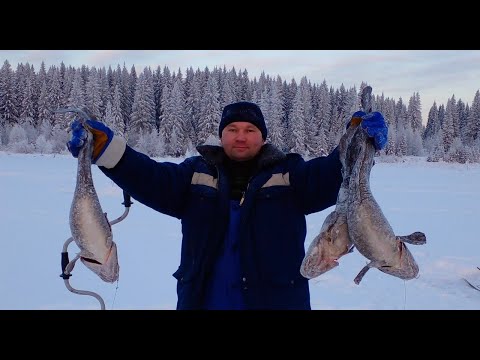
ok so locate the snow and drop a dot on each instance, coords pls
(442, 200)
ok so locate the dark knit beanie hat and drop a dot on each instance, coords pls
(243, 111)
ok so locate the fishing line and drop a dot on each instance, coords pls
(115, 295)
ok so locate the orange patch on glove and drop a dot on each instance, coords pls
(100, 139)
(355, 121)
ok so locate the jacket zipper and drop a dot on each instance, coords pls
(244, 192)
(243, 198)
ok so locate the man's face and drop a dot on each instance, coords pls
(241, 140)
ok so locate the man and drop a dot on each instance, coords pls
(242, 206)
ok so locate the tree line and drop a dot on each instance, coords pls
(165, 113)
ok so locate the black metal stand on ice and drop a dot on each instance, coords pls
(100, 227)
(67, 265)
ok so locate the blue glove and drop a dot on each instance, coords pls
(375, 126)
(102, 136)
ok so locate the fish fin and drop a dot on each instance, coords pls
(108, 222)
(416, 238)
(360, 275)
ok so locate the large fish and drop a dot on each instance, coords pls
(368, 227)
(357, 220)
(90, 228)
(333, 240)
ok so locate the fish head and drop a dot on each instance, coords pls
(407, 267)
(109, 270)
(325, 250)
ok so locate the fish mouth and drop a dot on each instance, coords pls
(312, 270)
(107, 271)
(90, 260)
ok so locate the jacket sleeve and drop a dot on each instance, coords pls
(316, 182)
(163, 186)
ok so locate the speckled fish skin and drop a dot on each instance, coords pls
(368, 227)
(90, 228)
(333, 240)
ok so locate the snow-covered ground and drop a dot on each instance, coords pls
(442, 200)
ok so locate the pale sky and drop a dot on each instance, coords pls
(435, 74)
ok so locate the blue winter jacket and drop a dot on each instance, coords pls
(272, 220)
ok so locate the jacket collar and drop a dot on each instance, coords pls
(215, 155)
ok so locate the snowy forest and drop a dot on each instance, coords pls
(164, 113)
